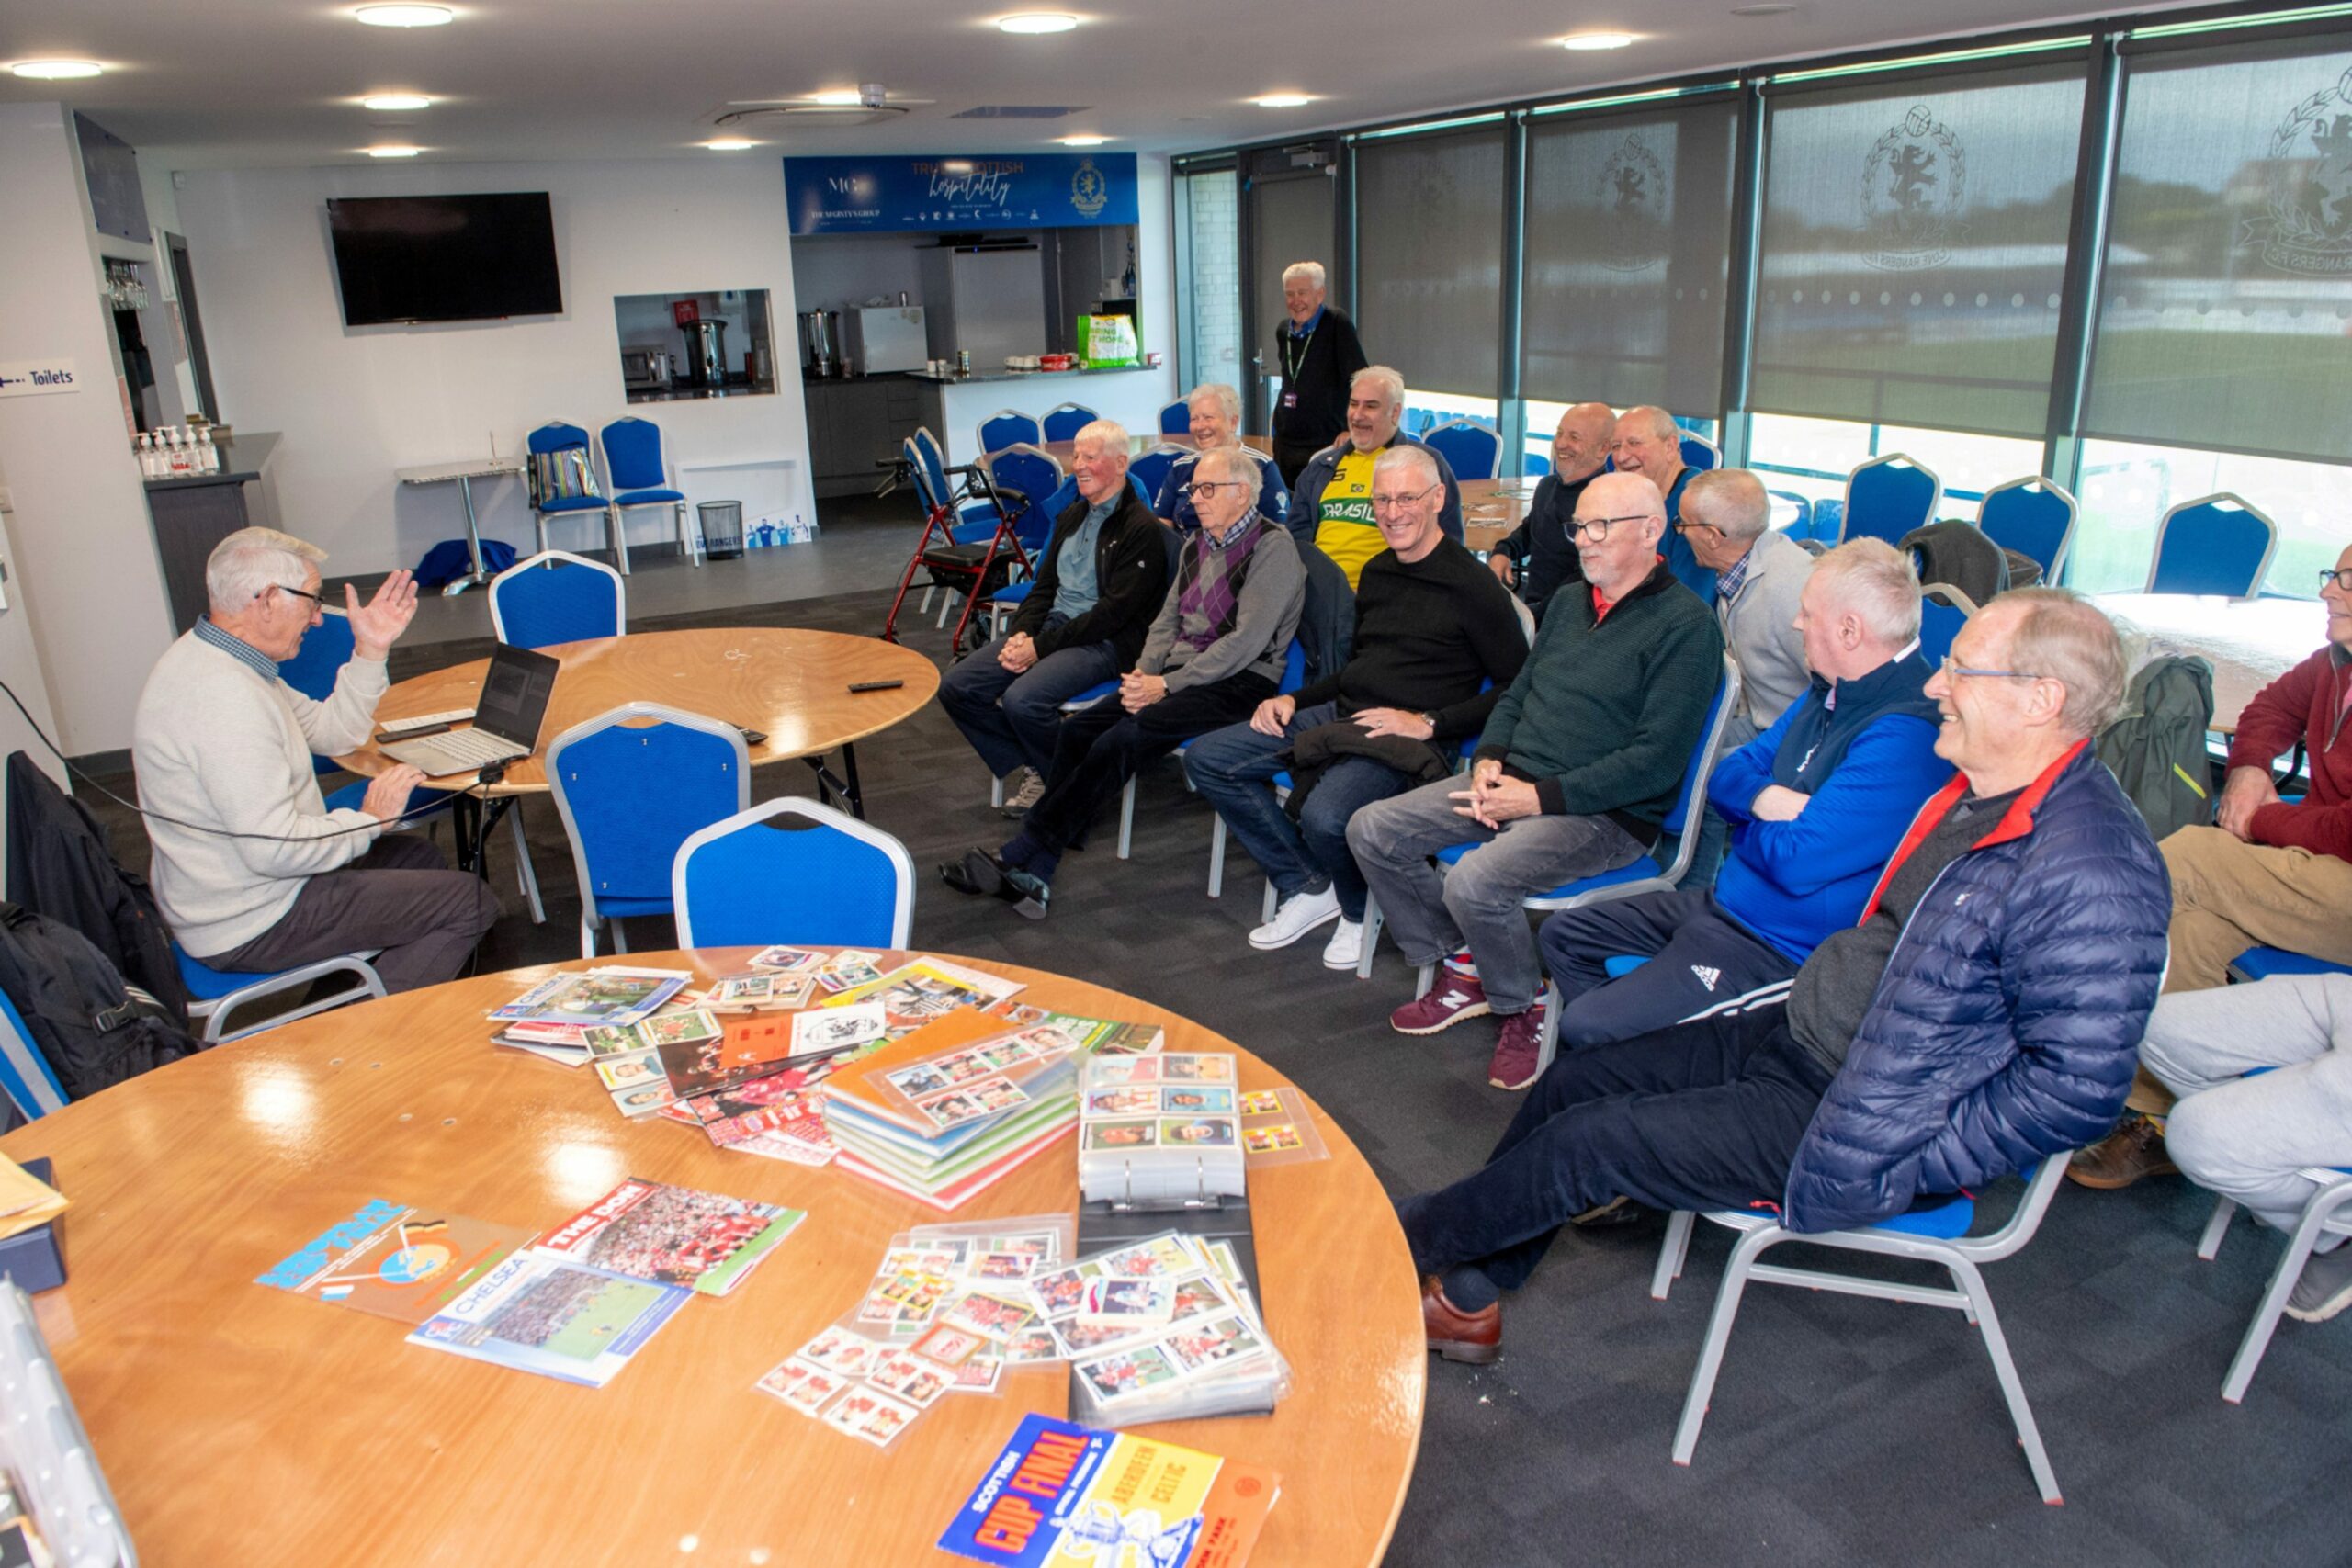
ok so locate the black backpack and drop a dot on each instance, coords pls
(88, 1026)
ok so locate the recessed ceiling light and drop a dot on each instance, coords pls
(393, 103)
(56, 70)
(394, 151)
(405, 15)
(838, 97)
(1036, 22)
(1083, 140)
(1285, 101)
(1597, 41)
(730, 144)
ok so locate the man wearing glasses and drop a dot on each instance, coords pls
(1436, 641)
(1983, 1014)
(1575, 770)
(1100, 580)
(2270, 872)
(1214, 653)
(254, 874)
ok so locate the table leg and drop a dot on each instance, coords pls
(844, 785)
(478, 576)
(470, 819)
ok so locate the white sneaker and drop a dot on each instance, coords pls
(1031, 791)
(1300, 913)
(1345, 948)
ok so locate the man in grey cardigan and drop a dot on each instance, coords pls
(1759, 585)
(253, 872)
(1214, 653)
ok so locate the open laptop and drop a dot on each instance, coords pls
(507, 715)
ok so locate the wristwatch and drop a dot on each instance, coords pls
(1430, 719)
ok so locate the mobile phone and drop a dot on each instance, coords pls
(388, 736)
(876, 685)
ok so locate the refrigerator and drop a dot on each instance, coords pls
(992, 302)
(887, 337)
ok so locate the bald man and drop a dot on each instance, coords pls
(1647, 441)
(1537, 557)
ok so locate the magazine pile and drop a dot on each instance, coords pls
(1063, 1494)
(1158, 1129)
(945, 1312)
(955, 1107)
(576, 1304)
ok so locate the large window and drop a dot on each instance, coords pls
(2226, 318)
(1428, 256)
(1915, 236)
(2127, 488)
(1628, 249)
(1209, 259)
(1809, 459)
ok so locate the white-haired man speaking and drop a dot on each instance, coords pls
(253, 872)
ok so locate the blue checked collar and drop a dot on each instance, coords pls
(254, 659)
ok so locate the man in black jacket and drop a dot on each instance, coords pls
(1537, 557)
(1100, 580)
(1317, 355)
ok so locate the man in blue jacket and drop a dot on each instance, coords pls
(1816, 804)
(1984, 1013)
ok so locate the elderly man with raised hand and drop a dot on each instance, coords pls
(1215, 409)
(1100, 580)
(1575, 770)
(1330, 505)
(1647, 441)
(1214, 653)
(1317, 355)
(1431, 630)
(1983, 1015)
(1537, 557)
(1817, 804)
(253, 872)
(2270, 874)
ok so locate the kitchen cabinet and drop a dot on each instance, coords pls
(856, 425)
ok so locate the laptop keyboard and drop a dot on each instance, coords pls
(461, 749)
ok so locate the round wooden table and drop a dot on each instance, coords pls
(239, 1424)
(791, 683)
(2249, 642)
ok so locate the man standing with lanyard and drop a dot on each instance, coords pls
(1317, 353)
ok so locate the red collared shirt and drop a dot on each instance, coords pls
(1600, 607)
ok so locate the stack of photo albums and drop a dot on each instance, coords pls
(1158, 1129)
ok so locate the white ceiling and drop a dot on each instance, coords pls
(232, 83)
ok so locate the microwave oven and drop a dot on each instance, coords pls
(645, 368)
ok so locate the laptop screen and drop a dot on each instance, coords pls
(514, 694)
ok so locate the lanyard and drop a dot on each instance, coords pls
(1291, 367)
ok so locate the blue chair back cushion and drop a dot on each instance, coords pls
(635, 796)
(558, 602)
(1009, 429)
(789, 880)
(1939, 624)
(633, 455)
(2207, 549)
(2034, 522)
(1176, 419)
(1885, 502)
(1472, 451)
(1063, 425)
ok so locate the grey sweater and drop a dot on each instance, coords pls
(1273, 594)
(1759, 630)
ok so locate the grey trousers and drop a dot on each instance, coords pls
(400, 897)
(1476, 903)
(2246, 1138)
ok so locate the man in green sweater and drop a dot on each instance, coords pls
(1573, 775)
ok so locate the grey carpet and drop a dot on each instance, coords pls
(1843, 1430)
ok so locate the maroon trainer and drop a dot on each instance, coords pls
(1454, 996)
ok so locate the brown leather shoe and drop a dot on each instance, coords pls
(2133, 1150)
(1457, 1336)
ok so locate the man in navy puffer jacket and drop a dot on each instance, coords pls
(1984, 1013)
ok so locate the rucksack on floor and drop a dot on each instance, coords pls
(2156, 748)
(92, 1029)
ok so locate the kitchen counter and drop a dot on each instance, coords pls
(243, 458)
(736, 387)
(952, 380)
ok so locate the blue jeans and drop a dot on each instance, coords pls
(1013, 720)
(1232, 768)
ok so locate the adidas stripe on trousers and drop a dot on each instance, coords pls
(1702, 964)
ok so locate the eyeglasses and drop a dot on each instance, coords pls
(1393, 502)
(1684, 528)
(2339, 575)
(1599, 526)
(301, 593)
(1201, 489)
(1953, 671)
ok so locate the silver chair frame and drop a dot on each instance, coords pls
(2328, 1213)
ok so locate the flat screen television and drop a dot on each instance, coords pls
(444, 258)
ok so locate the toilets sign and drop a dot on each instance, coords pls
(36, 378)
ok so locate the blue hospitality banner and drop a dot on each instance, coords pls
(1027, 190)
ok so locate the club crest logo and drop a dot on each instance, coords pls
(1915, 190)
(2309, 231)
(1088, 191)
(1632, 206)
